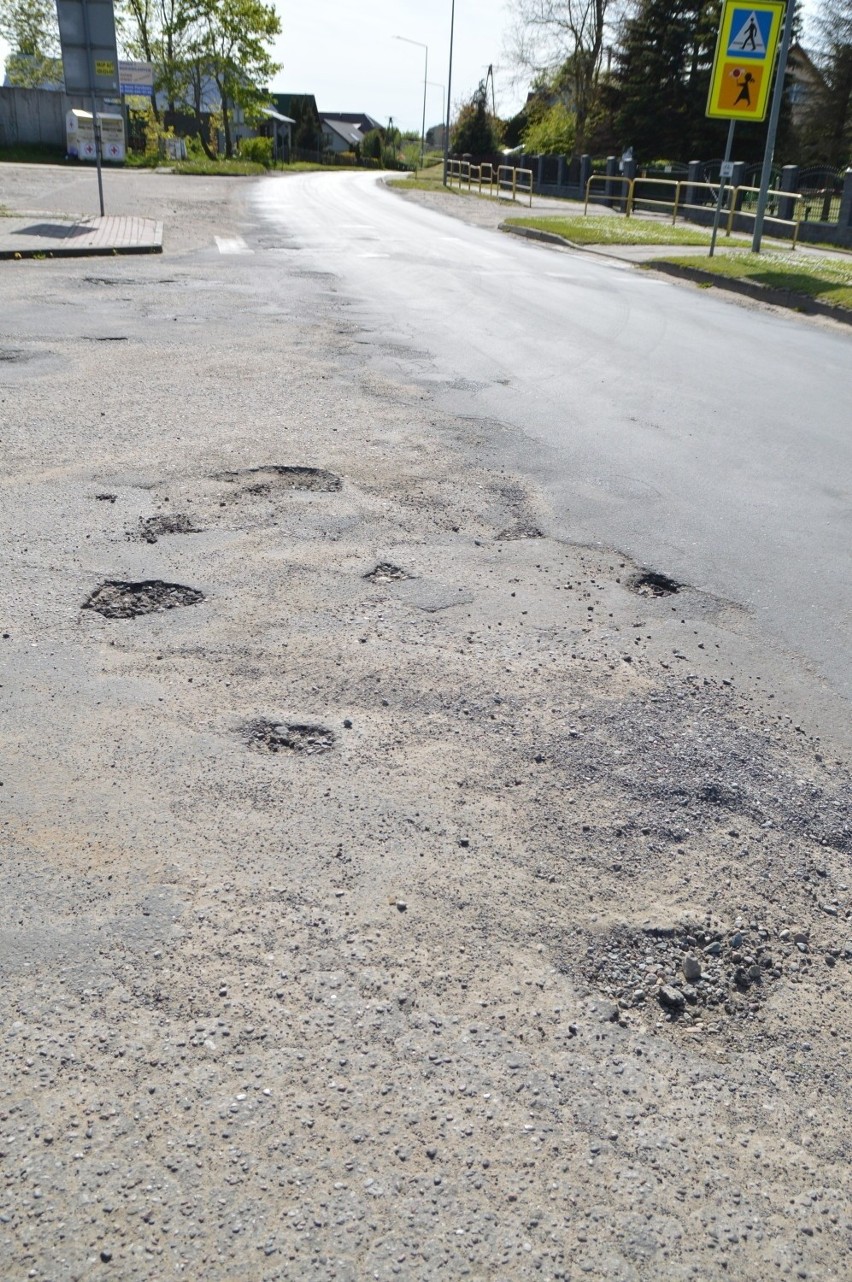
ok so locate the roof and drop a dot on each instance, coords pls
(358, 118)
(343, 130)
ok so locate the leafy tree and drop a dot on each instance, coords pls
(195, 42)
(563, 37)
(158, 31)
(307, 131)
(231, 41)
(551, 131)
(31, 30)
(829, 122)
(476, 129)
(372, 143)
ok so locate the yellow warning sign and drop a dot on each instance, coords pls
(104, 68)
(745, 55)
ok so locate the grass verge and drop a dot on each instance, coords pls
(419, 184)
(611, 230)
(829, 280)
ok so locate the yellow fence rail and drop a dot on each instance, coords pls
(502, 181)
(676, 202)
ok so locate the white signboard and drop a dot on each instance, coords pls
(137, 78)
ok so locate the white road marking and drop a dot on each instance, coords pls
(232, 245)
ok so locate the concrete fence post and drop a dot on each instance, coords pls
(585, 174)
(789, 182)
(845, 219)
(692, 194)
(611, 189)
(561, 175)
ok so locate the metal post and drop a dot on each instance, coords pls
(423, 126)
(729, 146)
(777, 97)
(96, 129)
(449, 92)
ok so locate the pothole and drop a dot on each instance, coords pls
(262, 480)
(119, 599)
(152, 528)
(276, 736)
(522, 530)
(106, 498)
(386, 572)
(690, 972)
(650, 583)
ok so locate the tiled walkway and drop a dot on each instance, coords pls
(51, 236)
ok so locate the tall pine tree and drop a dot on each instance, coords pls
(663, 76)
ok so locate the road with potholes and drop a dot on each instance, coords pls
(398, 881)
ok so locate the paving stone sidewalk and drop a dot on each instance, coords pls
(51, 235)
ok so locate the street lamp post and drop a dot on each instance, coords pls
(449, 94)
(420, 45)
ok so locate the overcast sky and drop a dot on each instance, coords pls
(346, 55)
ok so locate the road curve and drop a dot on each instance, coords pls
(707, 439)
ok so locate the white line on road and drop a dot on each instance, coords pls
(232, 245)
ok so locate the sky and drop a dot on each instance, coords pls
(347, 57)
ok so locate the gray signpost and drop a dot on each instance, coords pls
(89, 59)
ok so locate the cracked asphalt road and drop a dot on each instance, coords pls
(348, 873)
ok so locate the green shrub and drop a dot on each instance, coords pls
(257, 150)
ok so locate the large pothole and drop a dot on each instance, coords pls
(152, 528)
(265, 480)
(276, 736)
(120, 599)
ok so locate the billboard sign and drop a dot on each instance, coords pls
(137, 79)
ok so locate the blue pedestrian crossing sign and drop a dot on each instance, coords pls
(750, 33)
(745, 59)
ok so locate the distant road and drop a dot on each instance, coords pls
(707, 439)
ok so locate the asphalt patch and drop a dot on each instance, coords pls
(276, 736)
(263, 480)
(119, 599)
(650, 583)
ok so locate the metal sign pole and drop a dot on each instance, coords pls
(96, 129)
(769, 153)
(729, 146)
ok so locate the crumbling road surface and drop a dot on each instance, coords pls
(392, 886)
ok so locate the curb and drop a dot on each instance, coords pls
(745, 288)
(751, 289)
(105, 252)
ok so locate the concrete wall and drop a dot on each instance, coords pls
(32, 116)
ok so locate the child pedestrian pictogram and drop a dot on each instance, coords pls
(740, 88)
